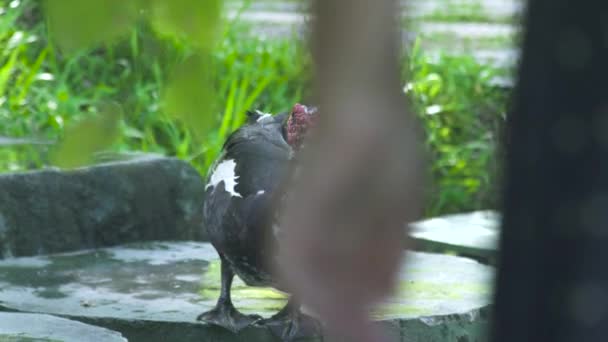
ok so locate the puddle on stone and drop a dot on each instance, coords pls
(50, 292)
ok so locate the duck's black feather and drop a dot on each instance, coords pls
(238, 225)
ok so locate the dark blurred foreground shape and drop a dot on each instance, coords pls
(553, 279)
(360, 178)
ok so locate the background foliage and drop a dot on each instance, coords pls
(150, 83)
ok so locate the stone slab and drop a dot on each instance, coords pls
(147, 198)
(155, 289)
(25, 327)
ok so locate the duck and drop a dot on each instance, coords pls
(244, 187)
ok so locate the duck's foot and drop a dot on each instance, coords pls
(228, 317)
(292, 325)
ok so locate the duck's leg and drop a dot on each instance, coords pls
(290, 323)
(224, 314)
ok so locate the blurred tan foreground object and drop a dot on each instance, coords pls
(361, 177)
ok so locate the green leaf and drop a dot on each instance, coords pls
(229, 109)
(194, 20)
(78, 24)
(7, 70)
(189, 95)
(87, 137)
(31, 75)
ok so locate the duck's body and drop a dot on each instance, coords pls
(240, 207)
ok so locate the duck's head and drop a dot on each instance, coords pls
(300, 120)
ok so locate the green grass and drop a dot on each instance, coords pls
(462, 115)
(50, 95)
(45, 92)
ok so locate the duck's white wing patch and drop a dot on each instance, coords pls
(225, 171)
(260, 192)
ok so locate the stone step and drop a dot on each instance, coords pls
(281, 25)
(469, 30)
(472, 234)
(154, 291)
(493, 8)
(26, 327)
(148, 198)
(416, 8)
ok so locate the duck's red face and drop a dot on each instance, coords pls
(300, 120)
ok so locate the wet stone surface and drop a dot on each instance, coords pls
(154, 291)
(24, 327)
